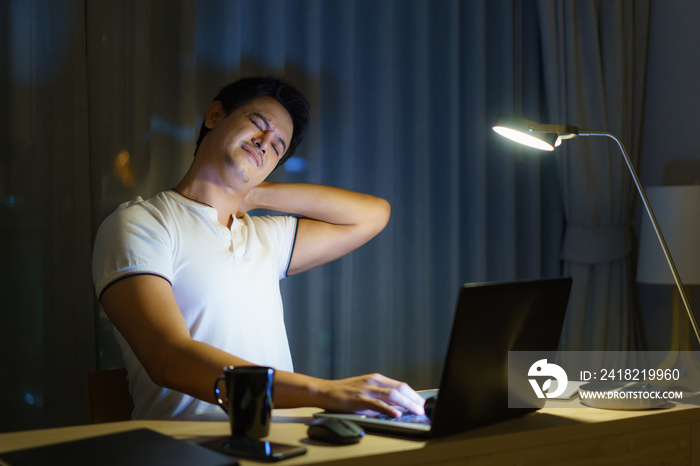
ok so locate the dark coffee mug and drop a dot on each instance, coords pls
(248, 399)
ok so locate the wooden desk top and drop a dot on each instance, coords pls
(553, 432)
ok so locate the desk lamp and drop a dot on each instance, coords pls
(548, 137)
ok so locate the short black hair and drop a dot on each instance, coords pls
(245, 90)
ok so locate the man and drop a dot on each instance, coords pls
(191, 281)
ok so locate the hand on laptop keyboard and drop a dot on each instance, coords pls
(370, 392)
(406, 416)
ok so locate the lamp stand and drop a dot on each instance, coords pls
(655, 224)
(547, 137)
(674, 359)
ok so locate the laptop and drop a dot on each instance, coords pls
(491, 319)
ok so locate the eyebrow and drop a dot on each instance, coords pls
(267, 126)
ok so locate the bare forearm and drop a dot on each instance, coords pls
(325, 203)
(194, 368)
(190, 367)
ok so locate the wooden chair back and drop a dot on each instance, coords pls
(107, 395)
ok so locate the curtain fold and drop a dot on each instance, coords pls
(594, 61)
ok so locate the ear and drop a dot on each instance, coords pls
(215, 112)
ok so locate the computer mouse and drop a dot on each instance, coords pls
(334, 430)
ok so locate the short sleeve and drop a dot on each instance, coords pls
(131, 241)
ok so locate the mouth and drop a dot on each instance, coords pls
(255, 155)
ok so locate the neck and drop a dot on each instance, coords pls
(226, 201)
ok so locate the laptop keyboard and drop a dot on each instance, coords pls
(407, 416)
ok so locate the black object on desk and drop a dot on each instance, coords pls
(139, 447)
(338, 431)
(263, 450)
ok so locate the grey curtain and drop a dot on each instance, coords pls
(594, 62)
(104, 99)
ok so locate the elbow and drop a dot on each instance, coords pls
(375, 218)
(158, 373)
(382, 215)
(161, 365)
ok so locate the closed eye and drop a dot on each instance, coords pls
(256, 123)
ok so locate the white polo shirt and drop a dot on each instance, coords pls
(225, 282)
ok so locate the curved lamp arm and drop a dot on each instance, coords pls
(655, 224)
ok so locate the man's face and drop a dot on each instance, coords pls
(252, 139)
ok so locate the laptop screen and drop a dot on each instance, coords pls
(492, 319)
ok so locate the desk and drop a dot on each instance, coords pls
(553, 435)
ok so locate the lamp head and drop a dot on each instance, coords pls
(532, 134)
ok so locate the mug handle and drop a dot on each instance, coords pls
(217, 393)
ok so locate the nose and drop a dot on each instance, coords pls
(262, 141)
